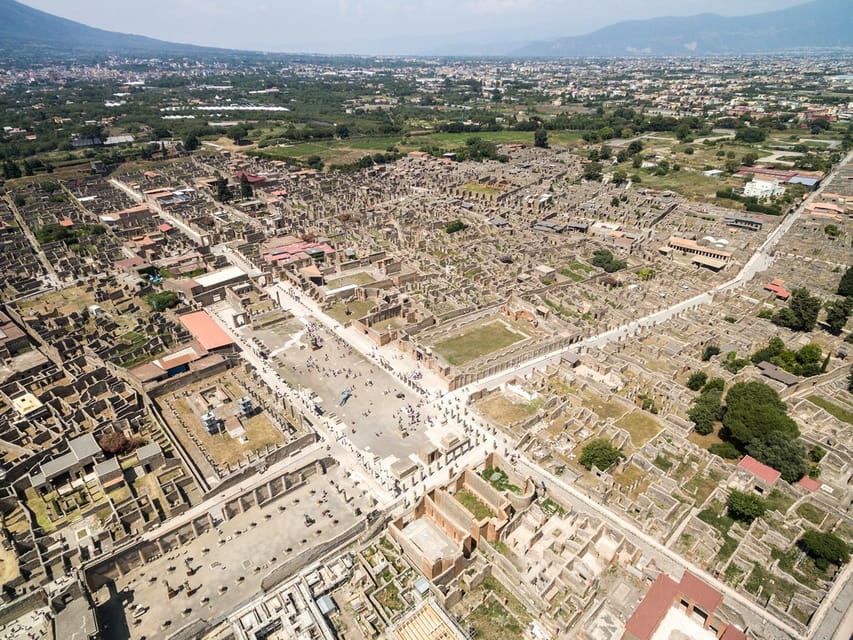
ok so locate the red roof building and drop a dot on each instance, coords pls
(760, 470)
(809, 484)
(694, 597)
(204, 329)
(777, 286)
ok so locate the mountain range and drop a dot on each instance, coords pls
(24, 29)
(820, 24)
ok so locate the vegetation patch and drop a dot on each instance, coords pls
(476, 343)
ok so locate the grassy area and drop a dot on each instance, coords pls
(476, 343)
(550, 507)
(707, 440)
(832, 409)
(778, 501)
(662, 462)
(260, 431)
(642, 427)
(492, 621)
(503, 411)
(604, 408)
(476, 187)
(811, 513)
(39, 509)
(473, 504)
(760, 578)
(799, 566)
(9, 569)
(633, 474)
(701, 486)
(361, 278)
(713, 516)
(389, 597)
(358, 309)
(498, 478)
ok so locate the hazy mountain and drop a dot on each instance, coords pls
(24, 29)
(818, 24)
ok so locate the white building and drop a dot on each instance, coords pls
(763, 189)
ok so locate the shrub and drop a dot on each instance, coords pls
(710, 351)
(456, 225)
(824, 548)
(725, 450)
(697, 380)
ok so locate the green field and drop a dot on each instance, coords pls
(476, 343)
(350, 149)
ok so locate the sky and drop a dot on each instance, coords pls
(375, 26)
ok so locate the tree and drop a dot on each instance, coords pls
(223, 192)
(238, 133)
(745, 507)
(697, 380)
(601, 453)
(785, 454)
(725, 450)
(342, 131)
(824, 548)
(620, 176)
(801, 312)
(592, 171)
(191, 142)
(706, 409)
(635, 147)
(540, 138)
(750, 134)
(11, 170)
(749, 159)
(753, 410)
(246, 190)
(845, 285)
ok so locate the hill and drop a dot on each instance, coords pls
(819, 24)
(27, 30)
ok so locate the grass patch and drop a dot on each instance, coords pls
(604, 409)
(476, 187)
(498, 478)
(389, 597)
(476, 343)
(492, 620)
(473, 504)
(778, 501)
(713, 516)
(811, 513)
(358, 309)
(37, 505)
(832, 409)
(361, 278)
(663, 463)
(701, 486)
(641, 427)
(500, 409)
(549, 507)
